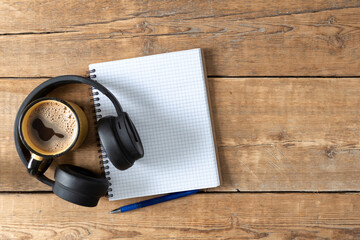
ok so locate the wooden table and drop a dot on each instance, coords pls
(284, 83)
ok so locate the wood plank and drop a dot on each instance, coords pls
(273, 134)
(202, 216)
(240, 38)
(288, 134)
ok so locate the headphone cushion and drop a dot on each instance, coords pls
(79, 185)
(122, 147)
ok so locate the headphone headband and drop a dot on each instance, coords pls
(41, 91)
(53, 83)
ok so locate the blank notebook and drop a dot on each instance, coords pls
(166, 97)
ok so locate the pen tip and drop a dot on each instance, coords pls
(115, 211)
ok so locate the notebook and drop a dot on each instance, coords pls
(166, 97)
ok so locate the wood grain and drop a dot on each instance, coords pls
(273, 134)
(261, 38)
(288, 134)
(201, 216)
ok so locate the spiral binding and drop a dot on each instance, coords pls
(104, 160)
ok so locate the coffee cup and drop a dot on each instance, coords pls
(51, 127)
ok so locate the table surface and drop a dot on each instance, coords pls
(285, 91)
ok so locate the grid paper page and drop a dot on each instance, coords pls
(165, 96)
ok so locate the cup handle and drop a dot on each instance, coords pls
(34, 164)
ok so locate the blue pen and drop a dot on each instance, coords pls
(153, 201)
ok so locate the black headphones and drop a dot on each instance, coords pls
(118, 136)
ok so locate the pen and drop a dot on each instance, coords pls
(153, 201)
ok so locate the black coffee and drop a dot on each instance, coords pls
(45, 133)
(52, 127)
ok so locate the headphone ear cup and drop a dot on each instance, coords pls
(79, 185)
(120, 140)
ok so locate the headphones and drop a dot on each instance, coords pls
(118, 136)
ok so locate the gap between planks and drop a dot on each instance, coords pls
(210, 76)
(219, 192)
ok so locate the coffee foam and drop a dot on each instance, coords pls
(61, 119)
